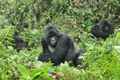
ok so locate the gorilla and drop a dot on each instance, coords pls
(58, 47)
(102, 29)
(19, 43)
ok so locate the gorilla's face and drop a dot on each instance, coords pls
(104, 26)
(52, 36)
(53, 41)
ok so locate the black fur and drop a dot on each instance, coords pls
(19, 43)
(102, 29)
(64, 49)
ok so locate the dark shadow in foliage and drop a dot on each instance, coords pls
(19, 43)
(102, 29)
(58, 47)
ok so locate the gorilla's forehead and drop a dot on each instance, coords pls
(51, 31)
(50, 26)
(104, 23)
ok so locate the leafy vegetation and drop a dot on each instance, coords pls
(75, 17)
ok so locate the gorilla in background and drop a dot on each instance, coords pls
(19, 43)
(102, 29)
(58, 47)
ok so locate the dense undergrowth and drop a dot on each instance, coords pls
(74, 17)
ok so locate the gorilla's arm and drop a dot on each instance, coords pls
(45, 45)
(62, 47)
(71, 51)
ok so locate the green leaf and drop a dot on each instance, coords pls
(25, 73)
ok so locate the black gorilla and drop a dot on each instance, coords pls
(19, 43)
(102, 29)
(62, 47)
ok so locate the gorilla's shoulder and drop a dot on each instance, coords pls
(64, 36)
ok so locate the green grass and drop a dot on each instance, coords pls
(102, 57)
